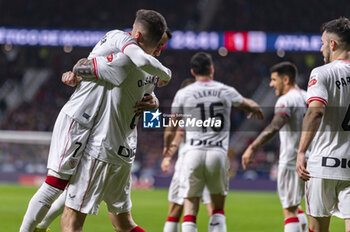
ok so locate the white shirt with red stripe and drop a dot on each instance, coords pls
(203, 100)
(292, 104)
(113, 135)
(330, 156)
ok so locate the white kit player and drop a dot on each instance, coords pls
(175, 200)
(289, 112)
(206, 104)
(147, 103)
(326, 123)
(75, 120)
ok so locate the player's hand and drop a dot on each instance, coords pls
(162, 83)
(301, 167)
(147, 103)
(69, 78)
(257, 114)
(165, 165)
(247, 157)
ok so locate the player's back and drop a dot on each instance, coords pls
(330, 84)
(206, 107)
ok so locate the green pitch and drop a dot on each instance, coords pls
(245, 211)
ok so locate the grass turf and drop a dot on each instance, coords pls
(245, 211)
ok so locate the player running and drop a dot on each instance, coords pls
(75, 120)
(326, 123)
(207, 104)
(289, 112)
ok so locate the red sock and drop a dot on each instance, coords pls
(310, 230)
(291, 220)
(172, 219)
(220, 211)
(189, 218)
(137, 229)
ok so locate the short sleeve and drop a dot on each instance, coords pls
(122, 40)
(235, 97)
(113, 68)
(177, 105)
(282, 106)
(317, 87)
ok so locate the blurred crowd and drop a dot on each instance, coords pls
(244, 71)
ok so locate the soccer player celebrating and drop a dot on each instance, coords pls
(289, 112)
(207, 104)
(175, 200)
(74, 123)
(326, 123)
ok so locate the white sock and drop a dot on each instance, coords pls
(38, 206)
(292, 225)
(217, 223)
(56, 209)
(303, 221)
(171, 227)
(189, 227)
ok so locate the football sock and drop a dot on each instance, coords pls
(217, 221)
(303, 220)
(56, 209)
(172, 225)
(292, 225)
(137, 229)
(189, 224)
(41, 202)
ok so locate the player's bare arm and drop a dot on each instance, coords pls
(278, 121)
(165, 165)
(252, 107)
(311, 123)
(148, 102)
(85, 69)
(169, 134)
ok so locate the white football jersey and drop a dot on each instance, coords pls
(330, 155)
(84, 103)
(206, 108)
(292, 104)
(113, 135)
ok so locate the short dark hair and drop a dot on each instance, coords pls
(201, 63)
(286, 68)
(154, 24)
(340, 27)
(168, 33)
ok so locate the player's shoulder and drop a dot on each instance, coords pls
(326, 69)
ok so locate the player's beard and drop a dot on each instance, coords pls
(327, 56)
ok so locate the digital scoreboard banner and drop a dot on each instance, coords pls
(234, 41)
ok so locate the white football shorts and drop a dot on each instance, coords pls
(326, 197)
(204, 168)
(67, 144)
(97, 181)
(290, 187)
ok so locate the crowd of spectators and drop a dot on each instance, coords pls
(244, 71)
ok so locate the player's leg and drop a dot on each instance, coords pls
(192, 183)
(303, 219)
(217, 176)
(41, 202)
(191, 206)
(175, 202)
(117, 198)
(123, 222)
(319, 224)
(290, 191)
(320, 200)
(173, 219)
(347, 224)
(206, 200)
(343, 189)
(72, 220)
(55, 210)
(65, 153)
(291, 220)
